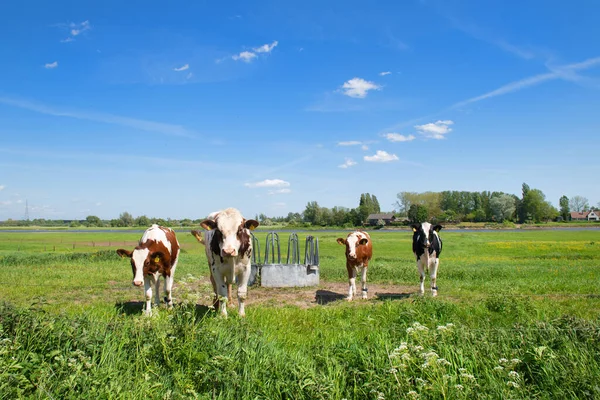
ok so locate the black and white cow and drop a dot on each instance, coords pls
(427, 247)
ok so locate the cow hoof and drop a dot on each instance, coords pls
(434, 293)
(348, 298)
(364, 296)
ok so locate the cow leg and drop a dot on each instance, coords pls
(148, 295)
(157, 291)
(221, 293)
(242, 279)
(433, 275)
(422, 276)
(169, 286)
(364, 281)
(351, 282)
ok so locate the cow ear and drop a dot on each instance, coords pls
(363, 241)
(416, 227)
(437, 228)
(208, 224)
(251, 224)
(124, 253)
(341, 241)
(157, 257)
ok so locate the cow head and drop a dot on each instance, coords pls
(143, 262)
(423, 234)
(353, 240)
(231, 237)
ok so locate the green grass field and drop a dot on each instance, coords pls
(517, 316)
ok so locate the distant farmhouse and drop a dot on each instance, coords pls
(372, 219)
(592, 215)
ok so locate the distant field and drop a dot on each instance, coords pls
(71, 325)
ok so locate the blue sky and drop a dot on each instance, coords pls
(177, 109)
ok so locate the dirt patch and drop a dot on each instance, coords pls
(306, 297)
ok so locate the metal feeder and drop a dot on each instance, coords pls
(274, 273)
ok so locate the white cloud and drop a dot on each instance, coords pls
(189, 76)
(268, 183)
(182, 68)
(67, 40)
(364, 147)
(245, 56)
(435, 130)
(381, 156)
(348, 163)
(266, 48)
(98, 204)
(2, 187)
(384, 73)
(350, 143)
(77, 29)
(358, 87)
(51, 65)
(280, 191)
(396, 137)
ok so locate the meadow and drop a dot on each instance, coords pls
(517, 316)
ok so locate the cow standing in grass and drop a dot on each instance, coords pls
(229, 252)
(359, 251)
(155, 255)
(200, 239)
(427, 247)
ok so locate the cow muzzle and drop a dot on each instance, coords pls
(138, 283)
(229, 252)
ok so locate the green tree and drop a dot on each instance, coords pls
(565, 211)
(92, 220)
(142, 220)
(126, 219)
(417, 213)
(502, 207)
(312, 212)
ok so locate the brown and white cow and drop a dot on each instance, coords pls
(359, 251)
(229, 252)
(155, 255)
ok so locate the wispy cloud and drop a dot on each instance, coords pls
(562, 72)
(145, 125)
(396, 137)
(248, 56)
(75, 29)
(350, 143)
(51, 65)
(267, 183)
(245, 56)
(435, 130)
(381, 156)
(384, 73)
(182, 68)
(280, 191)
(2, 187)
(358, 87)
(266, 48)
(348, 163)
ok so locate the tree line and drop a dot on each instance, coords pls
(447, 206)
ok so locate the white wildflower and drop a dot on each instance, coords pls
(393, 370)
(406, 357)
(442, 328)
(417, 348)
(512, 384)
(468, 377)
(443, 361)
(515, 361)
(513, 374)
(498, 368)
(413, 394)
(503, 361)
(462, 370)
(409, 330)
(459, 387)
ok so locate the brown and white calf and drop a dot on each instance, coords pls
(427, 247)
(155, 255)
(229, 253)
(359, 251)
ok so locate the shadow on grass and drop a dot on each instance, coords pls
(324, 297)
(130, 307)
(392, 296)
